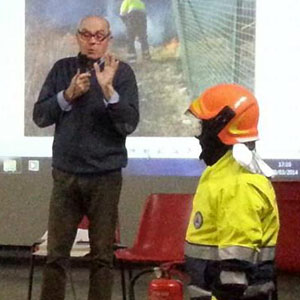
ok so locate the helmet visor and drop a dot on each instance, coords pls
(195, 124)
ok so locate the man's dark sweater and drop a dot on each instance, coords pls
(89, 138)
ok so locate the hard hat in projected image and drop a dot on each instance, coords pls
(233, 109)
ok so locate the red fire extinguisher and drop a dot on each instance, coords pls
(165, 288)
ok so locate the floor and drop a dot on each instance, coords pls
(14, 274)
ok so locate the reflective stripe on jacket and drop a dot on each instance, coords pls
(234, 252)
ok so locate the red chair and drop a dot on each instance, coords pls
(160, 238)
(287, 250)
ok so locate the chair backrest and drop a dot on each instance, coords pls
(163, 226)
(287, 250)
(84, 224)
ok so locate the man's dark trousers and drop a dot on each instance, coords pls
(73, 196)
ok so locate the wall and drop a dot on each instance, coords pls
(25, 197)
(24, 202)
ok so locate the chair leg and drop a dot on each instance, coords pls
(123, 281)
(274, 295)
(32, 261)
(134, 279)
(130, 274)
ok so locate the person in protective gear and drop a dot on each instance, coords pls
(133, 14)
(233, 228)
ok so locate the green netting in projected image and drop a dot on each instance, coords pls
(217, 41)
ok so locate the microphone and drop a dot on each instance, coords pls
(82, 63)
(85, 64)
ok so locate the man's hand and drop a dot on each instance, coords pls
(79, 85)
(105, 77)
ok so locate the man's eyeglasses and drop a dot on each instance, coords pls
(99, 37)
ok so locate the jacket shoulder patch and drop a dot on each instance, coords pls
(198, 220)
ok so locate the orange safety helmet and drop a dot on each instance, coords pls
(242, 126)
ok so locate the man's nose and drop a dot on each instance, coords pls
(92, 40)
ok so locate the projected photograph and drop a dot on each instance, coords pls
(50, 35)
(193, 44)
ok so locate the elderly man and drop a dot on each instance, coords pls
(92, 99)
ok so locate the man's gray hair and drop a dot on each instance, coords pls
(93, 16)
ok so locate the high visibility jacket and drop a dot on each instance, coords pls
(234, 219)
(131, 5)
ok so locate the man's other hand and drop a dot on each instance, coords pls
(106, 76)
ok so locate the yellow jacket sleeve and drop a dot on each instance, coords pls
(240, 214)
